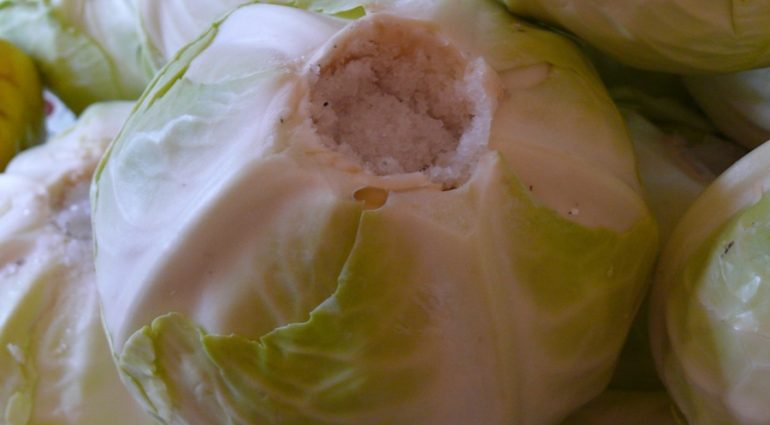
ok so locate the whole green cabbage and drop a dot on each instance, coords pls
(416, 212)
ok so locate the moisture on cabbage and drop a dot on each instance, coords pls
(425, 212)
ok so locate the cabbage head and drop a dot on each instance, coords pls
(417, 212)
(56, 366)
(710, 317)
(677, 36)
(86, 50)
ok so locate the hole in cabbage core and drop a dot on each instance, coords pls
(372, 197)
(397, 98)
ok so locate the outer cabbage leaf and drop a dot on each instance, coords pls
(170, 25)
(250, 274)
(167, 26)
(679, 36)
(710, 317)
(87, 51)
(55, 362)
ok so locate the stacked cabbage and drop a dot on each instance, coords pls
(360, 211)
(708, 315)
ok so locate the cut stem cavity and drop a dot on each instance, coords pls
(399, 98)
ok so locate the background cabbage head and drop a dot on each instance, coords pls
(86, 50)
(710, 313)
(55, 363)
(678, 36)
